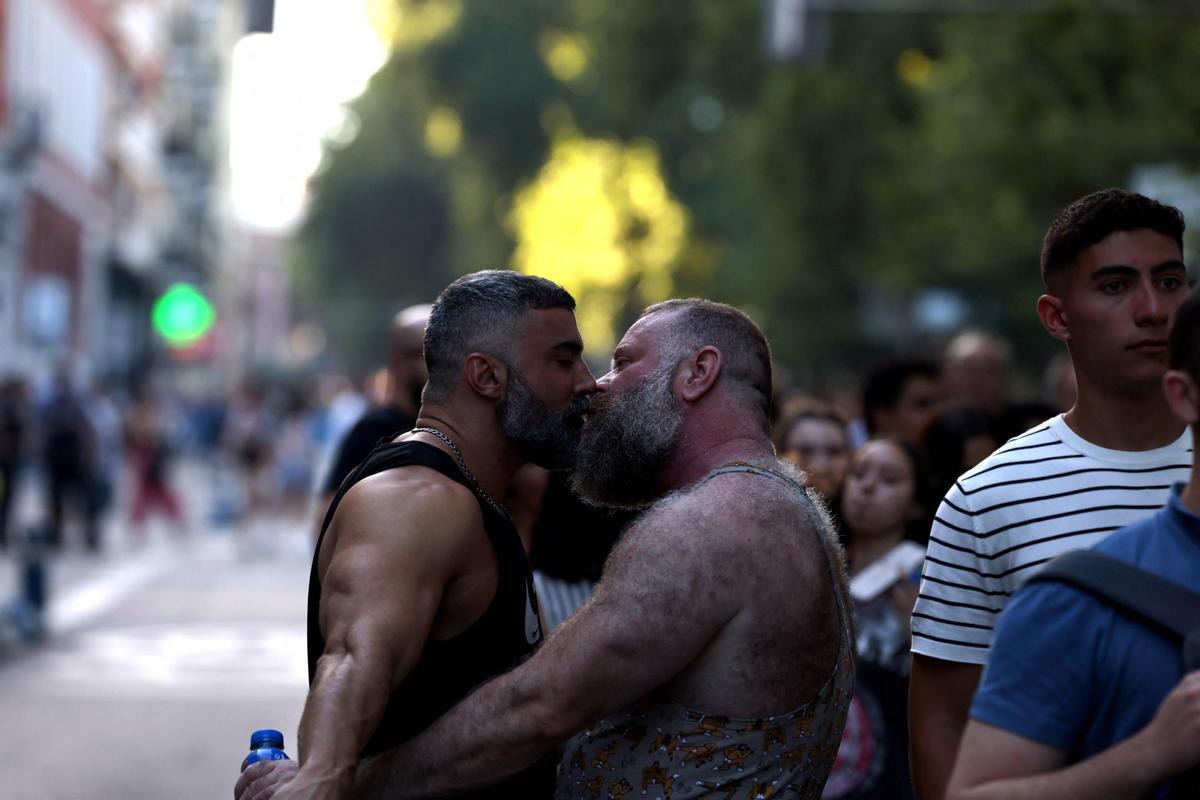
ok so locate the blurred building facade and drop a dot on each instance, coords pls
(55, 182)
(113, 143)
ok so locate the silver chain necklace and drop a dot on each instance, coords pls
(470, 476)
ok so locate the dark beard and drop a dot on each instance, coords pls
(627, 440)
(547, 438)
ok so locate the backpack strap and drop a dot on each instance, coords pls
(1153, 601)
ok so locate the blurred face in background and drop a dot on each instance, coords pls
(879, 493)
(974, 372)
(820, 447)
(915, 408)
(407, 364)
(975, 449)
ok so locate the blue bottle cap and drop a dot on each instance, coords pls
(267, 737)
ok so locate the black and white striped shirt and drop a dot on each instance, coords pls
(1043, 493)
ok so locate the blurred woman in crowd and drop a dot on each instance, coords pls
(813, 436)
(886, 502)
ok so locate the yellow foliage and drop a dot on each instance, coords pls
(566, 55)
(412, 24)
(600, 221)
(443, 132)
(915, 68)
(384, 18)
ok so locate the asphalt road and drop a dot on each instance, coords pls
(161, 657)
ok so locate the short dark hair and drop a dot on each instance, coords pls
(1090, 219)
(885, 384)
(925, 494)
(946, 440)
(481, 312)
(746, 356)
(1183, 349)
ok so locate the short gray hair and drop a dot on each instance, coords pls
(481, 312)
(745, 354)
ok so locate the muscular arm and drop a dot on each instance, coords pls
(643, 626)
(381, 590)
(995, 764)
(939, 704)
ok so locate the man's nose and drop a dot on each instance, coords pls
(604, 381)
(587, 382)
(1150, 308)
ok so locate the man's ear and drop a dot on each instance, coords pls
(700, 372)
(1182, 395)
(486, 375)
(1053, 315)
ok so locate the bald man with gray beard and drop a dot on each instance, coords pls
(715, 657)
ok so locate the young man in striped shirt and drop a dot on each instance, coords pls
(1080, 700)
(1113, 268)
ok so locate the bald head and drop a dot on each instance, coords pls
(406, 361)
(975, 366)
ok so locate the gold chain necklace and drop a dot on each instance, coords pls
(470, 476)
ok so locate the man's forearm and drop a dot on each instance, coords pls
(500, 729)
(1126, 770)
(340, 715)
(933, 744)
(940, 695)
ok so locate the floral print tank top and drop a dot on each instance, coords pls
(661, 749)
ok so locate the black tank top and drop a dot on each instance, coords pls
(448, 670)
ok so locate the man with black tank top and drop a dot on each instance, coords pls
(716, 656)
(420, 589)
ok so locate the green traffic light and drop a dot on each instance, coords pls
(182, 315)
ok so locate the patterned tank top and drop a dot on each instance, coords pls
(657, 748)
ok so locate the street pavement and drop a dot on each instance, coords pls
(160, 657)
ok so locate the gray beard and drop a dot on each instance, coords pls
(547, 438)
(626, 441)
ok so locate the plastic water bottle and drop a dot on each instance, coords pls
(265, 745)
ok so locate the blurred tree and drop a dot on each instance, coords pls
(924, 150)
(1018, 116)
(378, 230)
(600, 221)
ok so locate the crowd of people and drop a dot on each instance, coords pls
(677, 581)
(91, 458)
(882, 465)
(798, 604)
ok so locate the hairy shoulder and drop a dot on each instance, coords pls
(703, 556)
(740, 503)
(729, 519)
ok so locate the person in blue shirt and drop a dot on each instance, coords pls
(1077, 700)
